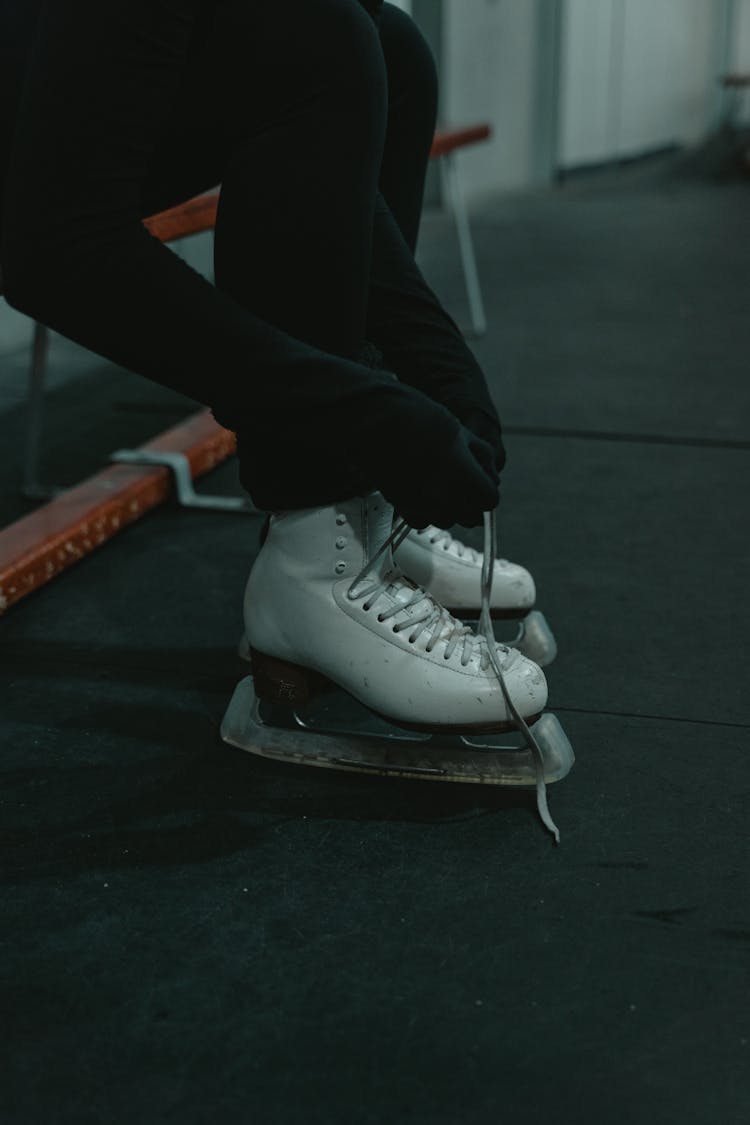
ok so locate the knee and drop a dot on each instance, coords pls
(412, 73)
(323, 44)
(347, 73)
(346, 42)
(319, 61)
(327, 52)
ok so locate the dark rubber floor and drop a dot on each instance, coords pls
(194, 935)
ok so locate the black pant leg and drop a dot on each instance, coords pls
(412, 115)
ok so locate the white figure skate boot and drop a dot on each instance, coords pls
(326, 608)
(451, 571)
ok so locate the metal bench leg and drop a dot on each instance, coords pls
(454, 195)
(31, 487)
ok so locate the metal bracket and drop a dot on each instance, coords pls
(31, 486)
(455, 198)
(187, 497)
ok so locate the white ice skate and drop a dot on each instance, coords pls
(451, 571)
(356, 667)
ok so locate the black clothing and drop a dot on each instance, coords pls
(300, 109)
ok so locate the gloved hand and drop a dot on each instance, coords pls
(368, 434)
(481, 418)
(467, 397)
(443, 485)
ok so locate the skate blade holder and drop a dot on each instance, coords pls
(179, 465)
(302, 738)
(535, 639)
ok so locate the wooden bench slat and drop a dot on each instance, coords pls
(450, 139)
(192, 217)
(199, 214)
(36, 548)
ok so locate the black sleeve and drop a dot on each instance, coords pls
(101, 86)
(417, 336)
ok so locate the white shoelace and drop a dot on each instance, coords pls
(485, 628)
(437, 536)
(422, 612)
(445, 628)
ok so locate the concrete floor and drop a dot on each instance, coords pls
(191, 934)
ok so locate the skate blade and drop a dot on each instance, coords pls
(354, 739)
(535, 639)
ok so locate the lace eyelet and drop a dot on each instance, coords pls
(411, 640)
(395, 629)
(380, 617)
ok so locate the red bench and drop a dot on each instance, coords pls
(199, 214)
(39, 546)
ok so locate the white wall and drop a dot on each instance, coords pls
(588, 110)
(741, 37)
(740, 57)
(15, 329)
(668, 79)
(636, 75)
(488, 75)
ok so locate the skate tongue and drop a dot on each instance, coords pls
(378, 526)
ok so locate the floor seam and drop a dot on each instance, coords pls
(636, 439)
(649, 717)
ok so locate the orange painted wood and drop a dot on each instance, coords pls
(192, 217)
(39, 546)
(447, 140)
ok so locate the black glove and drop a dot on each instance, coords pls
(442, 485)
(467, 398)
(481, 417)
(389, 437)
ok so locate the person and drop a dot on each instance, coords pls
(319, 344)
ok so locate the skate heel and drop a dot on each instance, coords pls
(279, 681)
